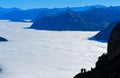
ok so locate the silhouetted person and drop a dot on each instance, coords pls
(82, 70)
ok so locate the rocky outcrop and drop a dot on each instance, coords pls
(108, 65)
(3, 39)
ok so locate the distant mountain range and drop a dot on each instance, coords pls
(16, 14)
(6, 10)
(88, 18)
(19, 14)
(93, 19)
(102, 16)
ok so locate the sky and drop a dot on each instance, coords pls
(25, 4)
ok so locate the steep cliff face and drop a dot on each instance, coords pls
(108, 65)
(114, 42)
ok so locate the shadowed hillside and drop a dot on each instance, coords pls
(3, 39)
(105, 34)
(67, 21)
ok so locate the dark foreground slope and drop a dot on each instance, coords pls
(108, 65)
(67, 21)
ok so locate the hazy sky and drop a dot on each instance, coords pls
(55, 3)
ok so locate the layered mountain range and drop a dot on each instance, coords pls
(94, 19)
(89, 18)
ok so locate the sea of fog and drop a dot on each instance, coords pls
(33, 53)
